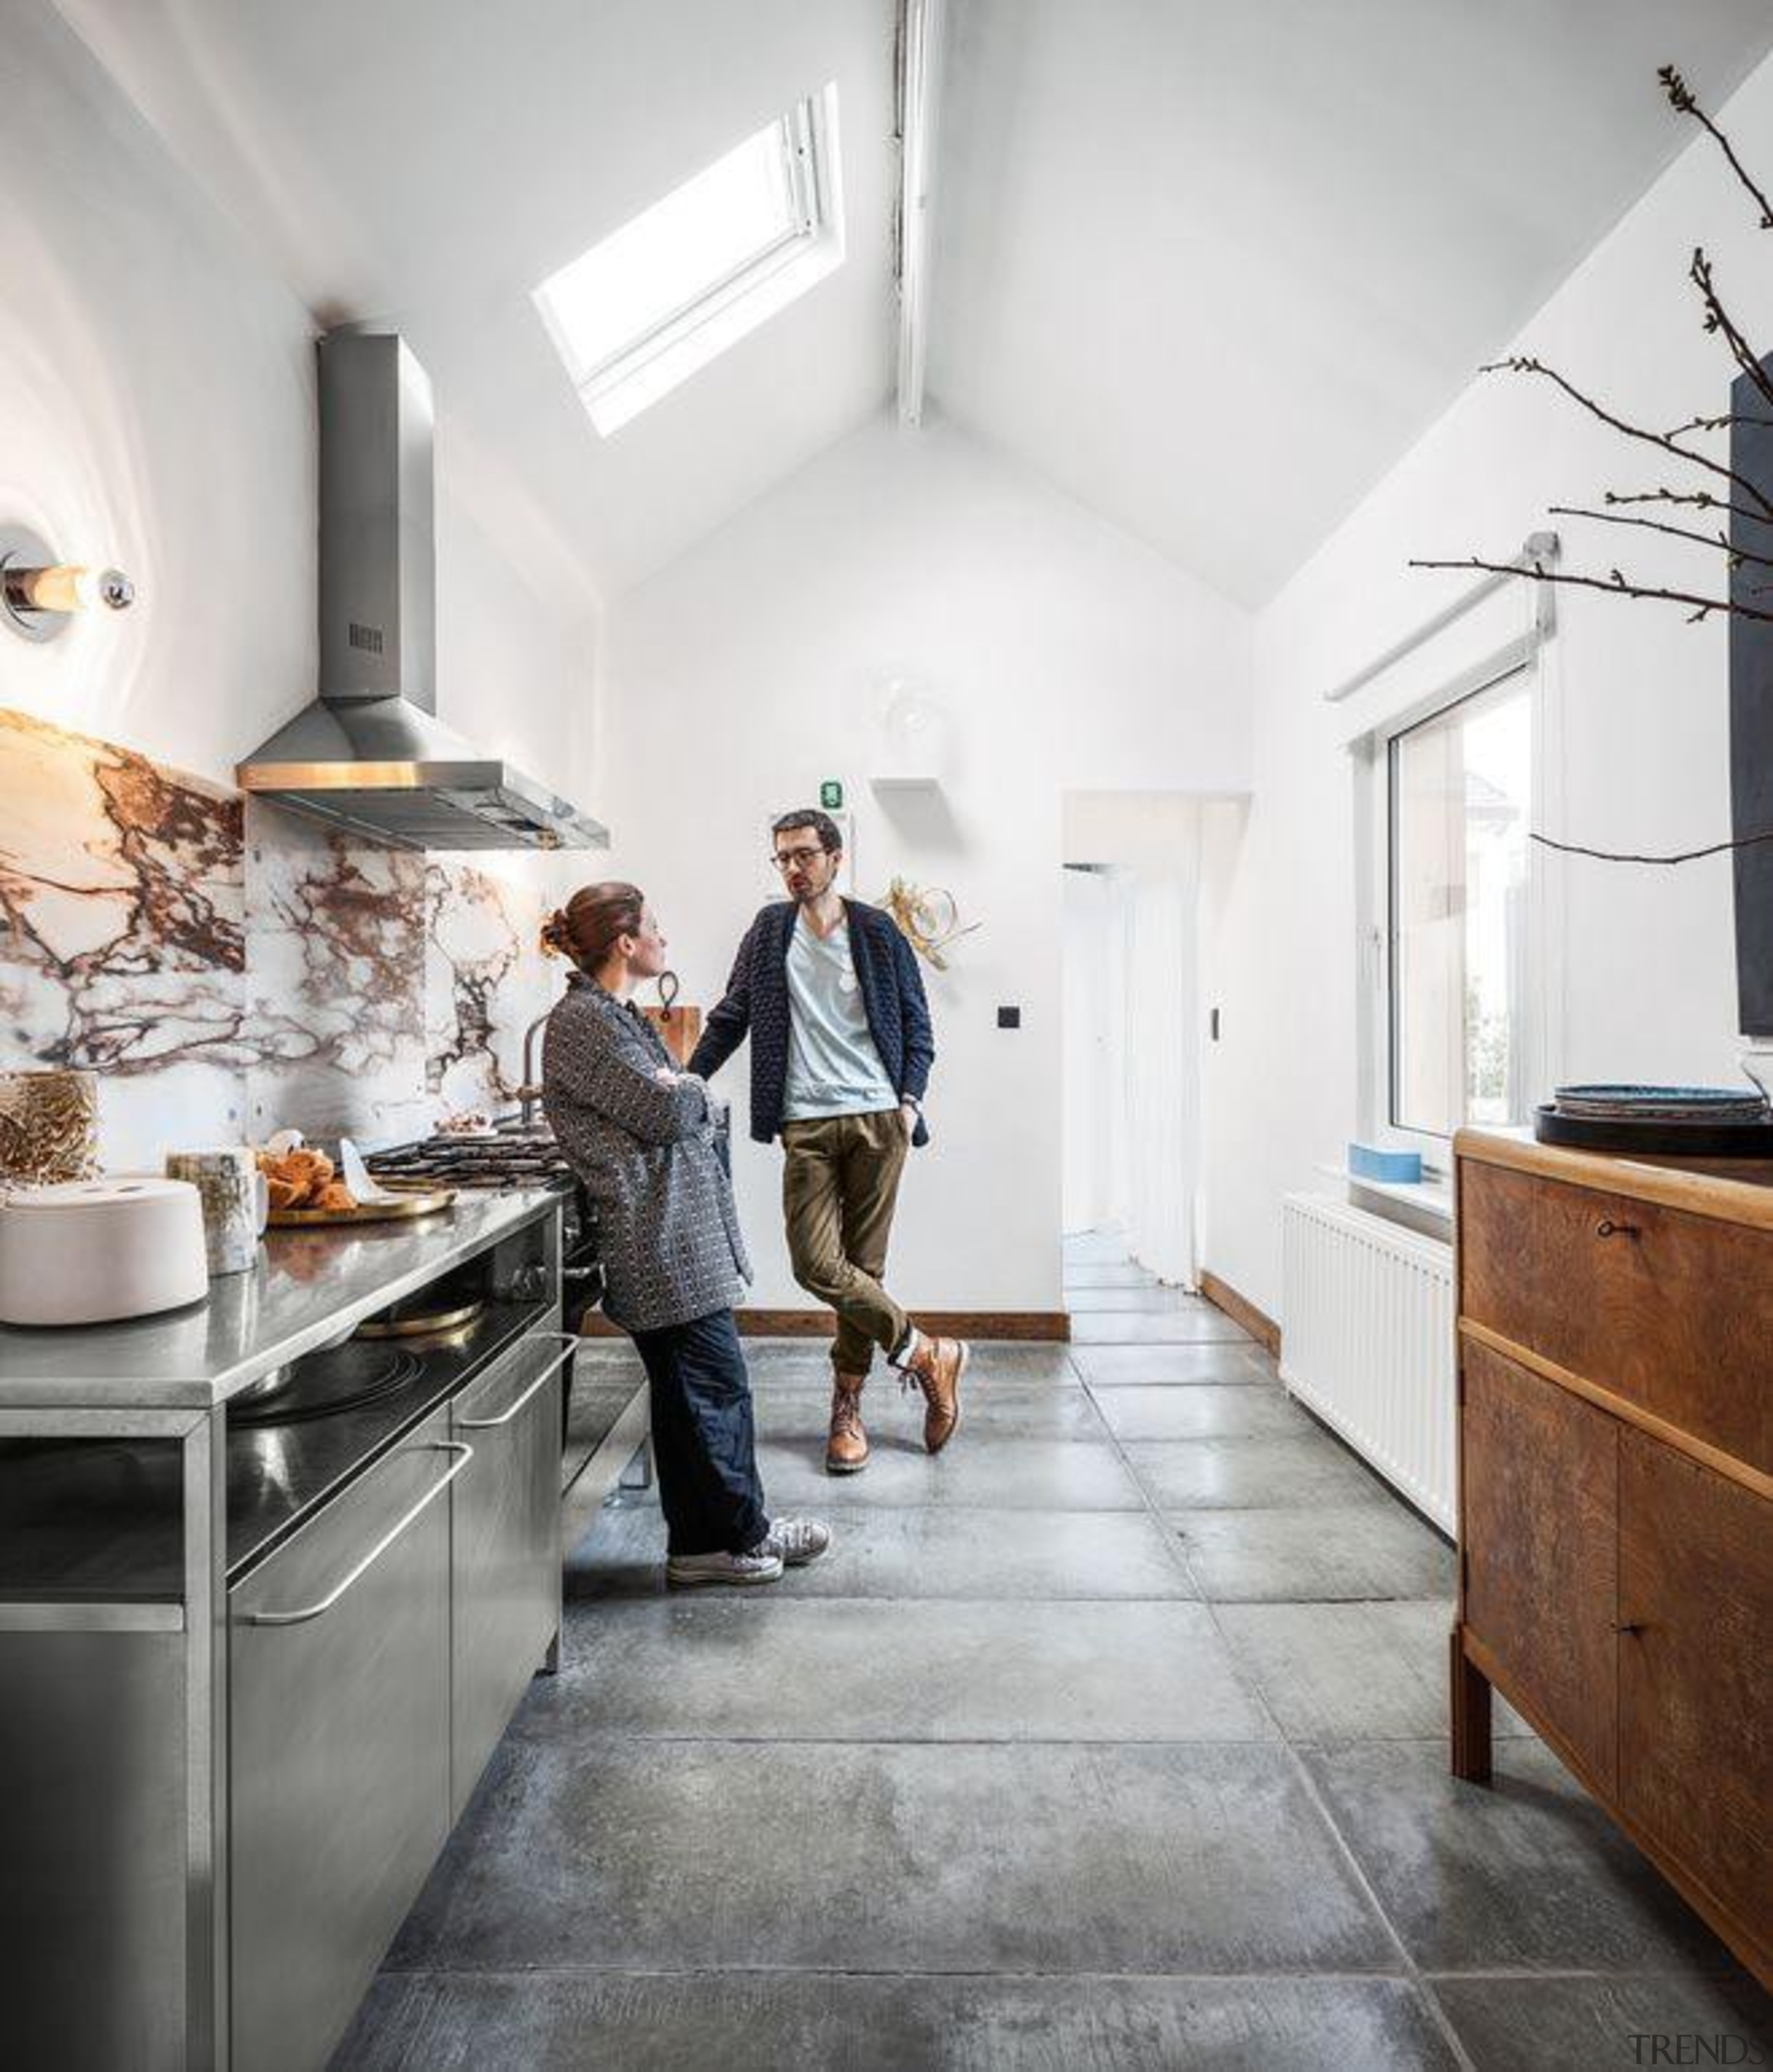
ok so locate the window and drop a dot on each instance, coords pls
(1460, 797)
(660, 297)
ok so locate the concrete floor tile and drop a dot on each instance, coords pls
(1200, 1326)
(763, 1665)
(1009, 1556)
(1350, 1672)
(894, 1417)
(1208, 1410)
(1082, 1299)
(853, 1857)
(1096, 1248)
(765, 2021)
(1363, 1550)
(1300, 1472)
(982, 1469)
(1525, 2024)
(1526, 1873)
(1225, 1363)
(1122, 1273)
(806, 1364)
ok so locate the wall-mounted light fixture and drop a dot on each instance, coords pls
(39, 594)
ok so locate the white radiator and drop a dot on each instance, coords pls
(1367, 1342)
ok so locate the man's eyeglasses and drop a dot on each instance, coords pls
(796, 859)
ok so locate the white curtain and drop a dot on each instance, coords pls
(1163, 1069)
(1094, 1051)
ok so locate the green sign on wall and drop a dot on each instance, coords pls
(831, 796)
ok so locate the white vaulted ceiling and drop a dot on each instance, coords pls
(1209, 265)
(1213, 265)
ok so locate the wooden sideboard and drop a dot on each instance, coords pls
(1615, 1391)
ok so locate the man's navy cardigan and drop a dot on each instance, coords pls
(757, 1002)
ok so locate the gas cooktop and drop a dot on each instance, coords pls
(509, 1157)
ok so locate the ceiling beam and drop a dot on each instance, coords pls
(919, 86)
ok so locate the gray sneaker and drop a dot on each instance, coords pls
(761, 1565)
(796, 1541)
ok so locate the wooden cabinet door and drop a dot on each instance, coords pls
(1540, 1545)
(1695, 1757)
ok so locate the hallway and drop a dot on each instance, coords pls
(1115, 1737)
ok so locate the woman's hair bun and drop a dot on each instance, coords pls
(593, 921)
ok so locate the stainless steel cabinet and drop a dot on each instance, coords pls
(339, 1738)
(505, 1564)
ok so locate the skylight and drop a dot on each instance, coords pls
(658, 298)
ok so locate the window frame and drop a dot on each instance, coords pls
(1542, 1017)
(814, 244)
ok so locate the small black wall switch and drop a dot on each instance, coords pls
(1009, 1017)
(1213, 1025)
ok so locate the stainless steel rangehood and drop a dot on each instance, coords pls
(370, 753)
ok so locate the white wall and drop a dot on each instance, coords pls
(156, 411)
(1065, 657)
(1638, 698)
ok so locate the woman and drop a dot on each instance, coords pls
(640, 1135)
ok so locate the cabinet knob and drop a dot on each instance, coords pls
(1606, 1227)
(1631, 1626)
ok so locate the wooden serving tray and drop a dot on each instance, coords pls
(416, 1204)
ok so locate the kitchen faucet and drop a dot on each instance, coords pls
(529, 1093)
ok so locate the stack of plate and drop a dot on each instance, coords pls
(1709, 1122)
(1662, 1104)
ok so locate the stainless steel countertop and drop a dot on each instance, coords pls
(309, 1286)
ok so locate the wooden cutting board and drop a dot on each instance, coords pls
(679, 1027)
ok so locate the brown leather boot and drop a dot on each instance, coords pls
(847, 1450)
(937, 1365)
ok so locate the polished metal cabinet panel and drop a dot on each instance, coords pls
(338, 1737)
(92, 1851)
(506, 1563)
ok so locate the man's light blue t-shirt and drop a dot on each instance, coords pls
(833, 1066)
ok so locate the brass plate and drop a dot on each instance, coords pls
(427, 1204)
(421, 1327)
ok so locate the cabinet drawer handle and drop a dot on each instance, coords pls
(464, 1455)
(1631, 1626)
(570, 1345)
(1606, 1227)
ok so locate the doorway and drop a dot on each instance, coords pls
(1132, 1040)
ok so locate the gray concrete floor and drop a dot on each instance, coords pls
(1116, 1737)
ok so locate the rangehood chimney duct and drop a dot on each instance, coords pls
(370, 753)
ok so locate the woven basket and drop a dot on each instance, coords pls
(48, 1127)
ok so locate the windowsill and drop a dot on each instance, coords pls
(1423, 1205)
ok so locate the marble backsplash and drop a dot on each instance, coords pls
(228, 968)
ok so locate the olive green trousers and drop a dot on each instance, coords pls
(840, 1187)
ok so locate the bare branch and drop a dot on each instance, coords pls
(1681, 99)
(1697, 500)
(1728, 423)
(1626, 856)
(1737, 555)
(1522, 363)
(1614, 583)
(1718, 319)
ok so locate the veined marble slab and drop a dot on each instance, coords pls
(229, 968)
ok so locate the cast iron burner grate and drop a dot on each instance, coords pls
(341, 1378)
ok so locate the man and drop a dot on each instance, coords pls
(841, 1047)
